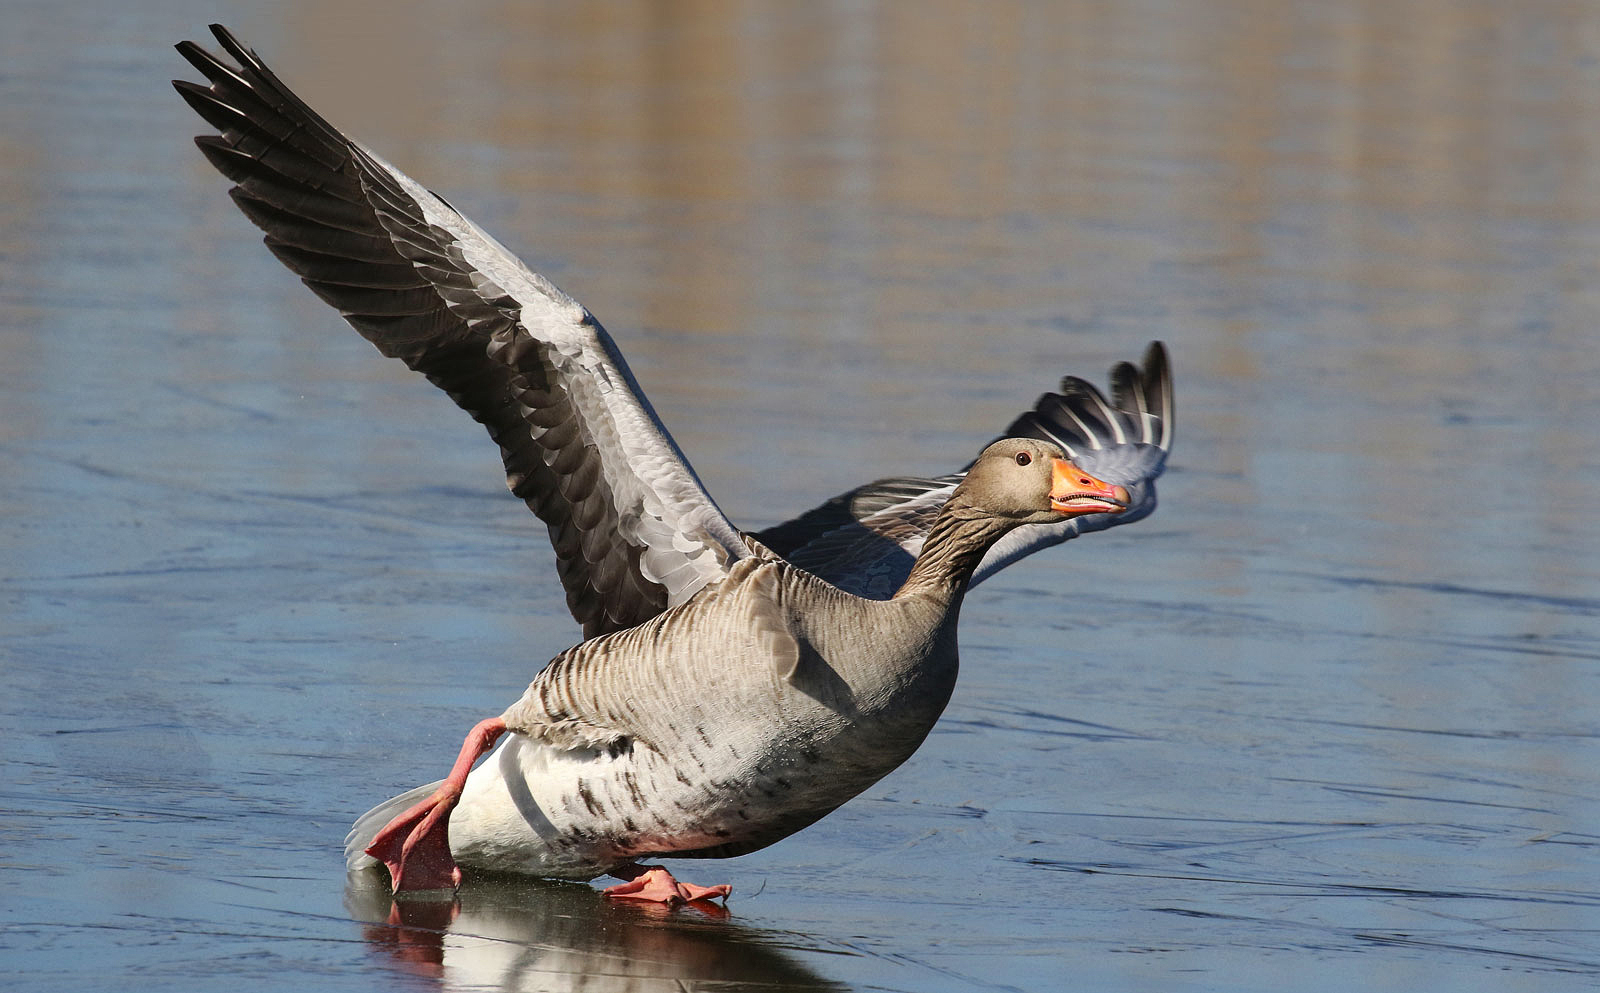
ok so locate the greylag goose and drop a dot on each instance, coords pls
(726, 723)
(635, 533)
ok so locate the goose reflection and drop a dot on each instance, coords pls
(519, 933)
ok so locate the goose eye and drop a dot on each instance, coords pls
(1023, 458)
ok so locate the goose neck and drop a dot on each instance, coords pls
(955, 545)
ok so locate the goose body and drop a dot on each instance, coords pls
(732, 688)
(713, 729)
(732, 721)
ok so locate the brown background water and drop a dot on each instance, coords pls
(1327, 721)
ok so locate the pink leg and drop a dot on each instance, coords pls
(416, 845)
(654, 883)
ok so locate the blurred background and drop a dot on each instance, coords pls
(1327, 720)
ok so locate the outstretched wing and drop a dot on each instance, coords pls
(865, 540)
(633, 528)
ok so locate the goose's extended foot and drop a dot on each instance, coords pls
(416, 844)
(655, 884)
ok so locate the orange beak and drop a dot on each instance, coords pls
(1074, 492)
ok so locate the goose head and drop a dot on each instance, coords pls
(1032, 482)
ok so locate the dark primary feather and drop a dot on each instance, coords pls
(424, 285)
(865, 539)
(1080, 419)
(341, 221)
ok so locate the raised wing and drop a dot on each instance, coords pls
(633, 528)
(865, 540)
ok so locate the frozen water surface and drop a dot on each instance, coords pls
(1327, 721)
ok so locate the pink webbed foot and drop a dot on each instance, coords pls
(656, 885)
(416, 844)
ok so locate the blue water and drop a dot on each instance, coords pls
(1326, 721)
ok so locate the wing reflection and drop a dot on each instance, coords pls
(516, 933)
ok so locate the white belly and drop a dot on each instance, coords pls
(573, 814)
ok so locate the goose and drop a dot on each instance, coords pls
(726, 723)
(641, 548)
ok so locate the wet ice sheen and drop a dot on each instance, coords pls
(1325, 721)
